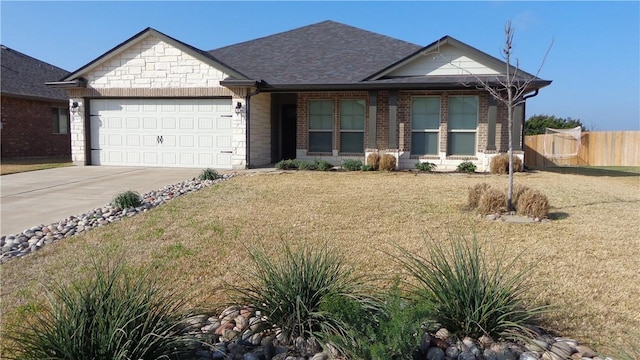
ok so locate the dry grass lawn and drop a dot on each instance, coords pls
(18, 166)
(586, 261)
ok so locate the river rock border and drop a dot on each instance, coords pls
(36, 237)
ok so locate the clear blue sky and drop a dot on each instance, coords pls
(594, 62)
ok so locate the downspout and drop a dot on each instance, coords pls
(248, 132)
(524, 112)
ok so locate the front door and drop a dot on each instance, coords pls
(289, 126)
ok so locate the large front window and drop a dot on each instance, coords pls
(320, 126)
(425, 125)
(463, 124)
(352, 114)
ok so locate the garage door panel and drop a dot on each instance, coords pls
(162, 132)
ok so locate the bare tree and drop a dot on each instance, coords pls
(510, 89)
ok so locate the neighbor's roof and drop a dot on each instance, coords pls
(25, 76)
(324, 53)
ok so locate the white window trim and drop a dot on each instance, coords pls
(449, 130)
(340, 131)
(310, 130)
(428, 130)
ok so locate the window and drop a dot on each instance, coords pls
(352, 113)
(320, 126)
(463, 123)
(60, 120)
(425, 125)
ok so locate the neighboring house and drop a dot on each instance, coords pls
(324, 91)
(35, 117)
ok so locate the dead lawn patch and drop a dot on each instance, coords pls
(586, 263)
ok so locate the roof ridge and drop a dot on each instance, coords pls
(4, 47)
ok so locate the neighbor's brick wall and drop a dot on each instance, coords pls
(27, 129)
(302, 139)
(153, 63)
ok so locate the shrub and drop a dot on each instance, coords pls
(352, 165)
(289, 164)
(492, 201)
(425, 166)
(322, 165)
(533, 203)
(473, 294)
(373, 160)
(475, 192)
(367, 168)
(209, 174)
(392, 333)
(127, 199)
(113, 315)
(500, 164)
(387, 162)
(466, 166)
(290, 289)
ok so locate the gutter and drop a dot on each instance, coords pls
(524, 111)
(77, 83)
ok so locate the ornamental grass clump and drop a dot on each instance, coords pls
(114, 315)
(475, 192)
(209, 174)
(387, 162)
(500, 164)
(492, 201)
(474, 293)
(289, 291)
(127, 199)
(533, 203)
(373, 160)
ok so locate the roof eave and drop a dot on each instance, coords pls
(69, 84)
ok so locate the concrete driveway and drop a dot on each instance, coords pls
(46, 196)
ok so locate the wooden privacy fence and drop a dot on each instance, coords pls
(612, 148)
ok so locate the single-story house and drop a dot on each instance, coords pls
(324, 91)
(35, 117)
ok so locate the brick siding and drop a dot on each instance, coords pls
(27, 129)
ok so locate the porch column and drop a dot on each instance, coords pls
(373, 115)
(393, 119)
(491, 123)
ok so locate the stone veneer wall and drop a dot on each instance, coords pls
(153, 68)
(260, 134)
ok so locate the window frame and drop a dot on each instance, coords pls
(321, 130)
(352, 131)
(451, 131)
(426, 130)
(56, 128)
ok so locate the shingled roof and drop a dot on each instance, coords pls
(324, 53)
(25, 76)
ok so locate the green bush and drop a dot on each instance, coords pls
(472, 294)
(322, 165)
(209, 174)
(367, 168)
(289, 291)
(352, 165)
(127, 199)
(394, 332)
(466, 166)
(289, 164)
(425, 166)
(113, 315)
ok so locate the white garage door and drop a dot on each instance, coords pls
(162, 132)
